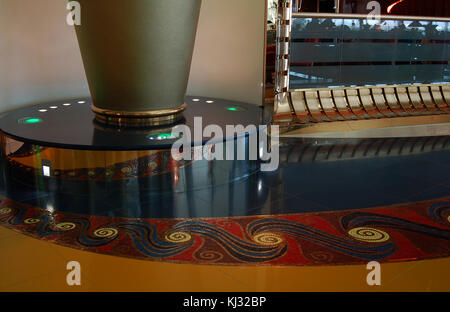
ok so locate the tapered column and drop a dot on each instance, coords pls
(137, 56)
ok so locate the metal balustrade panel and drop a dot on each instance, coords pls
(314, 106)
(427, 99)
(343, 67)
(300, 108)
(368, 103)
(326, 99)
(355, 104)
(342, 106)
(380, 102)
(416, 100)
(438, 98)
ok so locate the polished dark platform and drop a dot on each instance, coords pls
(315, 175)
(57, 147)
(71, 124)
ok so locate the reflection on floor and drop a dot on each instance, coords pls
(331, 203)
(413, 126)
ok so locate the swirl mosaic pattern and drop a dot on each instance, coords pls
(398, 233)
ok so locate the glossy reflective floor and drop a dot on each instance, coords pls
(314, 175)
(398, 187)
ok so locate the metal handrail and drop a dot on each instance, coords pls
(365, 16)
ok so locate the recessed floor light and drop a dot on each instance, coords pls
(161, 136)
(235, 108)
(209, 101)
(81, 102)
(42, 110)
(53, 107)
(195, 100)
(67, 104)
(29, 120)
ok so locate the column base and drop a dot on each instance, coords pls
(139, 118)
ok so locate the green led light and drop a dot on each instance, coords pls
(30, 120)
(33, 120)
(235, 109)
(161, 136)
(164, 135)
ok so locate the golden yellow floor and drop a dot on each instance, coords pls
(28, 264)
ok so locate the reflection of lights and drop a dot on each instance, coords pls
(50, 208)
(195, 100)
(235, 108)
(389, 9)
(176, 176)
(53, 107)
(81, 102)
(261, 152)
(67, 104)
(259, 186)
(300, 75)
(161, 136)
(46, 171)
(209, 102)
(42, 110)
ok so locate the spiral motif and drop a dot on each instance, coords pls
(268, 239)
(5, 210)
(65, 226)
(126, 170)
(210, 255)
(31, 221)
(369, 235)
(321, 256)
(178, 237)
(106, 232)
